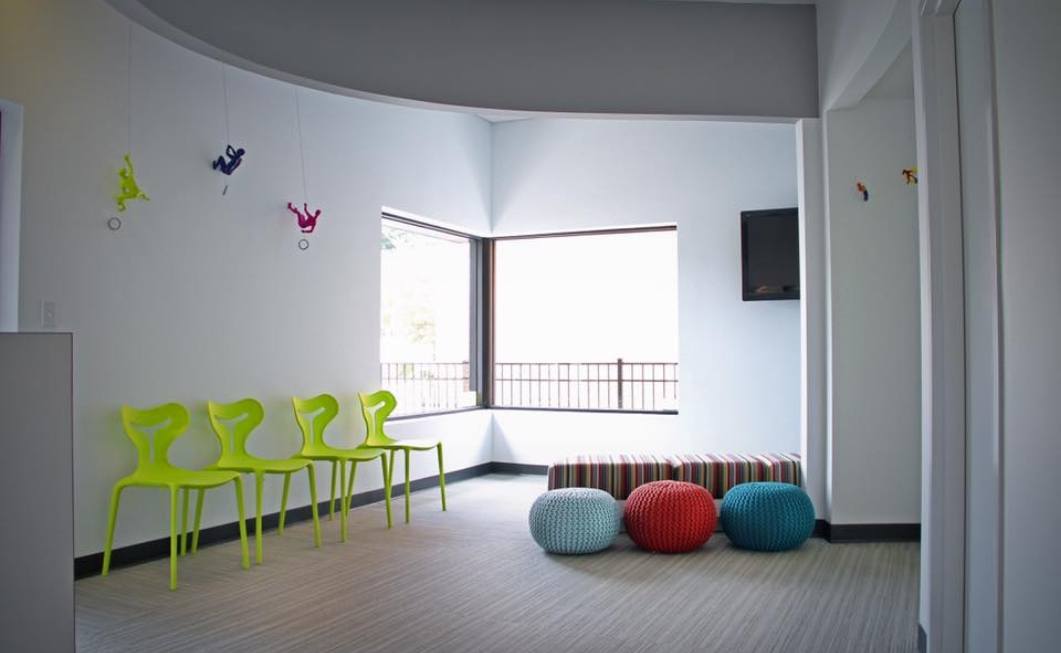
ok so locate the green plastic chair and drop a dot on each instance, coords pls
(152, 431)
(313, 416)
(375, 408)
(233, 424)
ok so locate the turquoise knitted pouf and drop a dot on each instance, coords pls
(767, 516)
(574, 520)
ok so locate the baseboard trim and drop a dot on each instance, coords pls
(849, 533)
(92, 564)
(518, 468)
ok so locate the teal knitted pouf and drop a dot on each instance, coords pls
(767, 516)
(574, 520)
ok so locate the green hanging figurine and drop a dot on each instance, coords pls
(128, 188)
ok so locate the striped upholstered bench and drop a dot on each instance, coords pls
(619, 474)
(616, 474)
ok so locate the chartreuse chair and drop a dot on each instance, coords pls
(233, 424)
(375, 408)
(313, 416)
(152, 431)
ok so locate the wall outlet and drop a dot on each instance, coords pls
(47, 315)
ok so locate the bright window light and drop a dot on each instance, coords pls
(587, 321)
(425, 335)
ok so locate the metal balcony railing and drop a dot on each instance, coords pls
(615, 385)
(428, 387)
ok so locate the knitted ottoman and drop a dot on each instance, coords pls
(574, 520)
(670, 516)
(767, 516)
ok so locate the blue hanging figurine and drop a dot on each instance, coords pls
(235, 157)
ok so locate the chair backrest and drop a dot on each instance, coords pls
(233, 424)
(376, 407)
(153, 430)
(313, 416)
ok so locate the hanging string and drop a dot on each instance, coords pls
(129, 122)
(301, 148)
(224, 95)
(224, 100)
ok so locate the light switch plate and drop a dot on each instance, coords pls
(47, 315)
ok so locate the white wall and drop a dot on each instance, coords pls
(201, 296)
(1028, 67)
(10, 211)
(740, 367)
(814, 301)
(874, 336)
(854, 37)
(36, 542)
(982, 333)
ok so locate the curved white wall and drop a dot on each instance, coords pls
(200, 295)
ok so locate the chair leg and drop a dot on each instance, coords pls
(342, 501)
(112, 520)
(386, 487)
(392, 455)
(441, 477)
(313, 505)
(331, 504)
(283, 503)
(184, 520)
(173, 538)
(350, 485)
(259, 480)
(244, 549)
(199, 496)
(406, 486)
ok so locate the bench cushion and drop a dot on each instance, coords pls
(720, 472)
(616, 474)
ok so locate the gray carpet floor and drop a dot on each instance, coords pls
(472, 579)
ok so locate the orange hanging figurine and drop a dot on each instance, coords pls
(861, 188)
(910, 175)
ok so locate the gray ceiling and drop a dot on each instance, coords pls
(595, 56)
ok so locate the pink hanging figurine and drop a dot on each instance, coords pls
(307, 221)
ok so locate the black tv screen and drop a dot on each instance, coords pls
(770, 254)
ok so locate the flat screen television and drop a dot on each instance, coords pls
(770, 254)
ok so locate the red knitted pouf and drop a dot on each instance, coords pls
(670, 516)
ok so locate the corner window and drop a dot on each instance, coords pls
(587, 321)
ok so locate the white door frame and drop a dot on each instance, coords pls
(942, 326)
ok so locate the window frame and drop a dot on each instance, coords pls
(482, 289)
